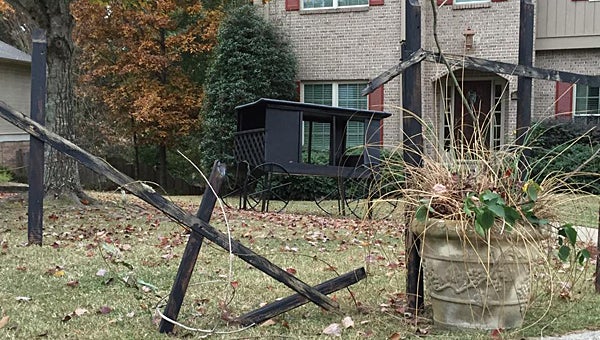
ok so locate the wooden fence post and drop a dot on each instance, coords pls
(35, 179)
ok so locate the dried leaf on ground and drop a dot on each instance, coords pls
(335, 329)
(104, 310)
(269, 322)
(395, 336)
(4, 321)
(77, 312)
(347, 322)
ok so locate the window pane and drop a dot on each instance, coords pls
(352, 2)
(587, 103)
(349, 96)
(320, 136)
(355, 134)
(318, 94)
(317, 3)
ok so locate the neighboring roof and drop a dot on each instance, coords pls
(8, 52)
(313, 109)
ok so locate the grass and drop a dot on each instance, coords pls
(42, 287)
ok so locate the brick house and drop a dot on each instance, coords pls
(15, 83)
(342, 44)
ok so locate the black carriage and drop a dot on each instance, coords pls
(276, 139)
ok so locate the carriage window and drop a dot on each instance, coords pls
(587, 108)
(341, 95)
(315, 148)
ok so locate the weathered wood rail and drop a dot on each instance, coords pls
(197, 224)
(480, 64)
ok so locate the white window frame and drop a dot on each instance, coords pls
(574, 104)
(334, 89)
(335, 5)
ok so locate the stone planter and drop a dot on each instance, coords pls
(473, 284)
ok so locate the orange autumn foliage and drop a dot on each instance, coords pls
(131, 54)
(5, 8)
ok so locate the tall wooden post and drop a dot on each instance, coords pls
(524, 93)
(35, 179)
(413, 144)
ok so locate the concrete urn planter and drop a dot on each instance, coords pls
(472, 283)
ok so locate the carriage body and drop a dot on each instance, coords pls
(275, 131)
(277, 137)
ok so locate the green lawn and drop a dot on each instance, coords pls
(56, 290)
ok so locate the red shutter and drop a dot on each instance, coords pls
(564, 100)
(448, 2)
(376, 104)
(376, 2)
(292, 5)
(376, 99)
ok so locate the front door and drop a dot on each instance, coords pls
(473, 130)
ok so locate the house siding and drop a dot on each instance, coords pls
(347, 45)
(15, 78)
(563, 24)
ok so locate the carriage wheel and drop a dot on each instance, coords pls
(364, 198)
(268, 188)
(330, 202)
(232, 189)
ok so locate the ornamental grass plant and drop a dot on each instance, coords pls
(491, 194)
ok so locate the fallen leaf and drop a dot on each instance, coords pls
(80, 311)
(395, 336)
(22, 268)
(347, 322)
(104, 310)
(269, 322)
(4, 321)
(101, 272)
(77, 312)
(23, 298)
(130, 314)
(73, 283)
(59, 273)
(334, 329)
(291, 270)
(234, 284)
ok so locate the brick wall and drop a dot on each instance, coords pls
(347, 45)
(579, 61)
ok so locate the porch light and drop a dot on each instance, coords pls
(469, 33)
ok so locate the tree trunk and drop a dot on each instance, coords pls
(62, 174)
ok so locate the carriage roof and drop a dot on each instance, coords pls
(310, 111)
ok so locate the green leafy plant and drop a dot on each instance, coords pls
(5, 175)
(567, 241)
